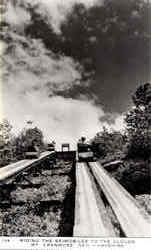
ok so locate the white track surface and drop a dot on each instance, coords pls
(10, 170)
(88, 221)
(132, 220)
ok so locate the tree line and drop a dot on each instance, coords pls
(13, 148)
(134, 142)
(120, 32)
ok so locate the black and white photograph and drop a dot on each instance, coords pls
(75, 119)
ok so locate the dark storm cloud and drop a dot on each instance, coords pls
(53, 87)
(115, 93)
(112, 40)
(31, 73)
(76, 92)
(118, 67)
(109, 118)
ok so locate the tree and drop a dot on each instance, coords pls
(5, 132)
(107, 142)
(34, 134)
(142, 96)
(6, 143)
(138, 121)
(26, 139)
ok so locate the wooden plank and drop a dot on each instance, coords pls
(88, 219)
(134, 222)
(12, 169)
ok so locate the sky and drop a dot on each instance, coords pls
(33, 75)
(55, 9)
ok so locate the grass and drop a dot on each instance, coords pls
(39, 211)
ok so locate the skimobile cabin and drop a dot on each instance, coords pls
(85, 152)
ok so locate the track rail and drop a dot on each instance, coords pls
(89, 207)
(133, 221)
(88, 218)
(15, 168)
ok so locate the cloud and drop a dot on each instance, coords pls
(58, 9)
(32, 75)
(16, 15)
(113, 121)
(119, 124)
(54, 11)
(61, 119)
(29, 67)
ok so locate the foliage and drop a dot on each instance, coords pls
(108, 143)
(5, 132)
(138, 122)
(133, 175)
(43, 211)
(12, 147)
(33, 134)
(6, 137)
(26, 138)
(142, 96)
